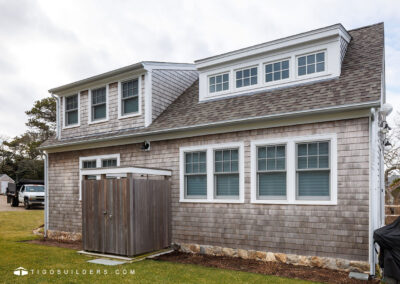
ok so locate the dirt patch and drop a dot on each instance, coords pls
(53, 243)
(267, 268)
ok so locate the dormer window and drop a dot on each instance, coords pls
(277, 71)
(99, 104)
(130, 97)
(219, 83)
(246, 77)
(311, 63)
(71, 110)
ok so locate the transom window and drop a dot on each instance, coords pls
(108, 163)
(130, 97)
(246, 77)
(99, 104)
(226, 173)
(277, 71)
(90, 164)
(196, 174)
(271, 172)
(312, 63)
(71, 110)
(219, 83)
(313, 170)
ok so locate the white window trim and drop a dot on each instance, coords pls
(90, 121)
(290, 143)
(210, 172)
(315, 74)
(139, 112)
(98, 165)
(223, 91)
(249, 87)
(64, 125)
(281, 81)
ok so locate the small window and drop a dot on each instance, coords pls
(277, 71)
(71, 110)
(196, 174)
(219, 83)
(313, 171)
(108, 163)
(130, 97)
(271, 172)
(246, 77)
(226, 173)
(99, 104)
(89, 164)
(311, 63)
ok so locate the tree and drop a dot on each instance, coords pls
(42, 117)
(392, 156)
(20, 156)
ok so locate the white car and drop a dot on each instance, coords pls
(31, 195)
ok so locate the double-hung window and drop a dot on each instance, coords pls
(294, 170)
(130, 97)
(219, 83)
(71, 110)
(196, 174)
(226, 173)
(312, 63)
(246, 77)
(271, 172)
(313, 171)
(99, 103)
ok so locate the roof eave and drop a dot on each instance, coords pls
(223, 123)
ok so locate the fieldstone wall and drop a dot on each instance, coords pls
(312, 261)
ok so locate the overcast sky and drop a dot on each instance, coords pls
(44, 44)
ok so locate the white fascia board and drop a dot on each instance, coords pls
(332, 31)
(133, 170)
(150, 65)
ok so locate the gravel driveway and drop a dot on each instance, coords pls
(4, 206)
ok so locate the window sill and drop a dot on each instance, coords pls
(71, 126)
(211, 201)
(136, 114)
(296, 202)
(98, 121)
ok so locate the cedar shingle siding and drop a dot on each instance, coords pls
(336, 231)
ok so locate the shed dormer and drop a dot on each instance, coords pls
(304, 58)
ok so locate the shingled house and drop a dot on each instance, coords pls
(274, 150)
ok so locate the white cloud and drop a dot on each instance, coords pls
(47, 43)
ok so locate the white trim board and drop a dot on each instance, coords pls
(290, 143)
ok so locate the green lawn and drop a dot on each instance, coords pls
(17, 226)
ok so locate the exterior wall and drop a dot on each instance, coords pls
(339, 231)
(113, 124)
(167, 85)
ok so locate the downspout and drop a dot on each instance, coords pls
(58, 128)
(46, 193)
(372, 183)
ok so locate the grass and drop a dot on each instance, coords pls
(15, 227)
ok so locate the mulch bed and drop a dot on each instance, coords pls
(267, 268)
(54, 243)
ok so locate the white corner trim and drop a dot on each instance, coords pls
(140, 97)
(90, 105)
(64, 126)
(148, 98)
(210, 172)
(290, 143)
(98, 159)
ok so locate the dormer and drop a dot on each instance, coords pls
(304, 58)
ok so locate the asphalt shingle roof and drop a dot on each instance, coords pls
(359, 82)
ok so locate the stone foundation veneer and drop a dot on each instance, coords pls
(312, 261)
(64, 236)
